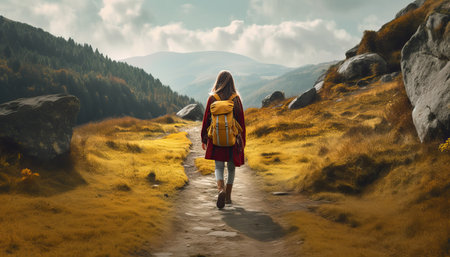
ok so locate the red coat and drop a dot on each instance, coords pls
(219, 153)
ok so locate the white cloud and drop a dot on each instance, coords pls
(288, 43)
(124, 28)
(61, 17)
(120, 12)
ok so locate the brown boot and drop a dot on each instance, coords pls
(221, 197)
(228, 194)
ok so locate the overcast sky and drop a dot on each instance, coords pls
(287, 32)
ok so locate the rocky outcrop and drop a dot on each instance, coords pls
(40, 126)
(304, 99)
(191, 112)
(426, 68)
(318, 86)
(412, 6)
(319, 81)
(362, 65)
(352, 52)
(273, 98)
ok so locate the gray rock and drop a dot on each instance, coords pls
(273, 98)
(319, 81)
(304, 99)
(389, 77)
(280, 193)
(361, 65)
(191, 112)
(318, 86)
(426, 68)
(40, 126)
(412, 6)
(352, 52)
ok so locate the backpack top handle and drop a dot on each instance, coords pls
(231, 97)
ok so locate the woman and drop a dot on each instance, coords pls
(232, 155)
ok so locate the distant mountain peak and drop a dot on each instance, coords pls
(194, 74)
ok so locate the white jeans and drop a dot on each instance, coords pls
(220, 168)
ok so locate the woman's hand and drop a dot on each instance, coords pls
(204, 146)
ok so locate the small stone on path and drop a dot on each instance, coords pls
(280, 193)
(201, 228)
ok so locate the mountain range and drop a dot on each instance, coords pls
(194, 74)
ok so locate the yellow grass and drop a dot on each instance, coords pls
(204, 166)
(113, 198)
(386, 193)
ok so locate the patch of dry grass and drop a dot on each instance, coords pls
(387, 193)
(204, 166)
(104, 200)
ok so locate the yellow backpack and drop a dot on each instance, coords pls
(224, 128)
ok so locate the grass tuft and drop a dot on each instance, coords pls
(204, 166)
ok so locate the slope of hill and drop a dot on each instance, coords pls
(34, 62)
(194, 73)
(383, 192)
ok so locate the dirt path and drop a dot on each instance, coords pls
(249, 227)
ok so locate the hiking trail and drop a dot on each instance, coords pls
(251, 226)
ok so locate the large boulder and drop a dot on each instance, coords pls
(273, 98)
(412, 6)
(40, 126)
(304, 99)
(362, 65)
(191, 112)
(426, 68)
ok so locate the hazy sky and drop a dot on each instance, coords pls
(287, 32)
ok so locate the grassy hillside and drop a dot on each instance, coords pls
(384, 193)
(34, 62)
(110, 197)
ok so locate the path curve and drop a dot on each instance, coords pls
(249, 227)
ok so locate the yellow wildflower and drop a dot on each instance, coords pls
(445, 146)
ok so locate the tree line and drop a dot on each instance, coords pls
(34, 62)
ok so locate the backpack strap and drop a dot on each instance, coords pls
(232, 96)
(217, 97)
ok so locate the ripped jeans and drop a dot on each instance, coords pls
(220, 168)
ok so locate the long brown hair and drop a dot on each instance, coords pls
(224, 85)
